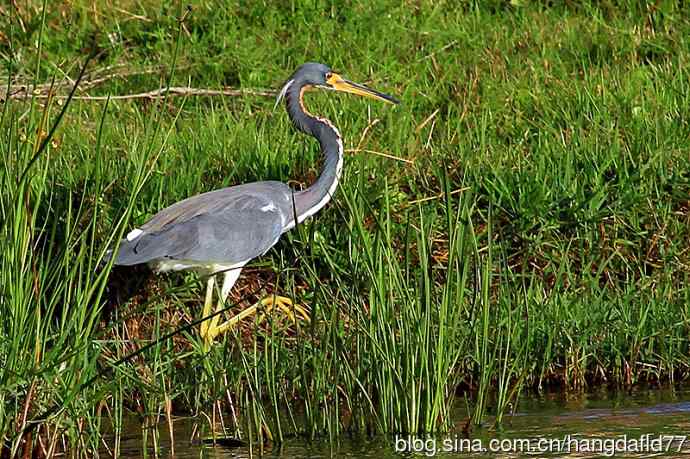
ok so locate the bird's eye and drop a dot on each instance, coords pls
(328, 76)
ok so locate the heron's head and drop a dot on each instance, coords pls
(321, 76)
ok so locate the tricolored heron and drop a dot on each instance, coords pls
(222, 230)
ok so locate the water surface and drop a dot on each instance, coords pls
(642, 423)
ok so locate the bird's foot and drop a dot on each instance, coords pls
(291, 310)
(294, 312)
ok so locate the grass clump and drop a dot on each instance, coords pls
(535, 236)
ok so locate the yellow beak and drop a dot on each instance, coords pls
(338, 83)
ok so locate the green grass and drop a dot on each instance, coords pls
(553, 142)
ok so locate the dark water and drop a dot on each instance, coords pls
(644, 423)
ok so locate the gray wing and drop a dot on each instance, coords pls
(227, 226)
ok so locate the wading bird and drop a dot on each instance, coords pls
(222, 230)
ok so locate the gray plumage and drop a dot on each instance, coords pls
(226, 226)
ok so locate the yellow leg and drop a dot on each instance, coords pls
(207, 306)
(209, 328)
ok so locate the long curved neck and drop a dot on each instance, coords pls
(311, 200)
